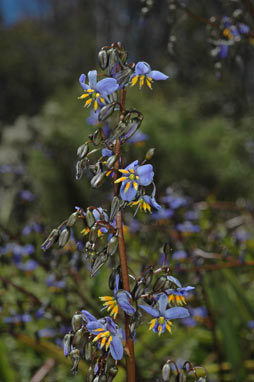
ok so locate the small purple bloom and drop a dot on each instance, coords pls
(188, 227)
(143, 72)
(97, 92)
(133, 177)
(162, 316)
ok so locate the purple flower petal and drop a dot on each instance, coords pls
(92, 78)
(82, 79)
(116, 348)
(142, 68)
(223, 51)
(88, 316)
(150, 310)
(173, 313)
(106, 152)
(157, 76)
(145, 174)
(107, 86)
(163, 302)
(243, 28)
(130, 194)
(132, 165)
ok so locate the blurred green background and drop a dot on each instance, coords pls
(201, 126)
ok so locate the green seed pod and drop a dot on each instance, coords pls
(106, 111)
(75, 357)
(113, 59)
(88, 351)
(111, 161)
(160, 284)
(90, 218)
(182, 376)
(51, 239)
(150, 153)
(79, 170)
(98, 263)
(82, 150)
(76, 322)
(72, 219)
(123, 76)
(103, 59)
(64, 237)
(138, 290)
(112, 97)
(112, 246)
(97, 137)
(93, 234)
(166, 372)
(67, 343)
(132, 127)
(98, 179)
(112, 278)
(148, 277)
(115, 206)
(80, 339)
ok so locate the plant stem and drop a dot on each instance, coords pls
(130, 359)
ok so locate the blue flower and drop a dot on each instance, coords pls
(179, 255)
(106, 333)
(143, 72)
(177, 296)
(99, 214)
(97, 92)
(121, 299)
(187, 227)
(162, 316)
(163, 214)
(146, 203)
(134, 176)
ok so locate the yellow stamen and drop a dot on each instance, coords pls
(98, 337)
(102, 100)
(134, 80)
(88, 102)
(99, 330)
(168, 326)
(110, 304)
(108, 172)
(104, 339)
(124, 171)
(141, 80)
(148, 207)
(171, 298)
(152, 323)
(95, 105)
(99, 232)
(85, 95)
(106, 298)
(89, 90)
(135, 185)
(159, 329)
(85, 231)
(132, 171)
(148, 82)
(127, 186)
(135, 203)
(120, 179)
(108, 343)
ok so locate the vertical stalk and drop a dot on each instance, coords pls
(130, 359)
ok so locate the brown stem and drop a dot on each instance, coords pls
(130, 359)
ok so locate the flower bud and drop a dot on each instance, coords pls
(52, 238)
(97, 180)
(160, 284)
(113, 59)
(75, 357)
(132, 127)
(82, 150)
(79, 339)
(166, 372)
(76, 321)
(182, 376)
(112, 246)
(90, 218)
(111, 161)
(72, 219)
(115, 206)
(64, 237)
(150, 153)
(103, 59)
(106, 111)
(98, 263)
(123, 76)
(93, 234)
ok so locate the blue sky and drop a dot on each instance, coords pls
(13, 10)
